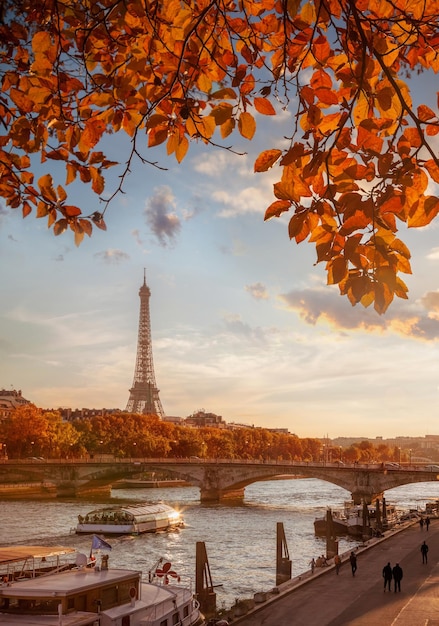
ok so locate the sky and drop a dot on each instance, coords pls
(242, 322)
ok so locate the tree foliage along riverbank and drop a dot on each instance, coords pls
(359, 158)
(33, 432)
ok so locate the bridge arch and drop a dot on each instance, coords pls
(219, 479)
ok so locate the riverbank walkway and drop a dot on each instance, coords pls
(328, 599)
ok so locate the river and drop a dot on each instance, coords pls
(240, 540)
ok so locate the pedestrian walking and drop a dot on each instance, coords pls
(387, 575)
(397, 577)
(312, 564)
(421, 523)
(337, 561)
(427, 522)
(424, 552)
(353, 561)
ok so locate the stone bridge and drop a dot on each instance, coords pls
(218, 479)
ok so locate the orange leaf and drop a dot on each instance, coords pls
(423, 212)
(93, 131)
(71, 170)
(432, 169)
(264, 106)
(247, 125)
(337, 270)
(71, 211)
(425, 113)
(45, 184)
(86, 226)
(276, 209)
(60, 227)
(41, 41)
(181, 149)
(61, 193)
(266, 160)
(97, 180)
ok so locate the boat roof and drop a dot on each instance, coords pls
(137, 509)
(12, 554)
(66, 583)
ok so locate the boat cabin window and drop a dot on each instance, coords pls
(164, 622)
(36, 605)
(186, 610)
(175, 619)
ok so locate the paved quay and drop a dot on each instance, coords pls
(325, 599)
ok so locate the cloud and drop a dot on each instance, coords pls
(240, 330)
(258, 291)
(161, 217)
(237, 248)
(112, 256)
(431, 301)
(433, 255)
(319, 305)
(136, 234)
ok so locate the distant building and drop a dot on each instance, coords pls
(201, 418)
(69, 415)
(10, 399)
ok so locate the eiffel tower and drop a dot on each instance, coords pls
(144, 395)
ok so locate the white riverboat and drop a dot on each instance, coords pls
(132, 519)
(89, 596)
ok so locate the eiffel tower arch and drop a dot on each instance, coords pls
(144, 395)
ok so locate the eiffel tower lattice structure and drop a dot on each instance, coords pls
(144, 395)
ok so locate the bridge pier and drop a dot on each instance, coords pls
(221, 495)
(359, 497)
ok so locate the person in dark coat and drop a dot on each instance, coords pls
(397, 577)
(353, 561)
(387, 575)
(424, 552)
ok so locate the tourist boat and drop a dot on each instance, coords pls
(132, 519)
(90, 596)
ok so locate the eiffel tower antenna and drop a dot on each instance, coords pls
(144, 395)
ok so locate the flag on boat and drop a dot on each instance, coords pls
(99, 544)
